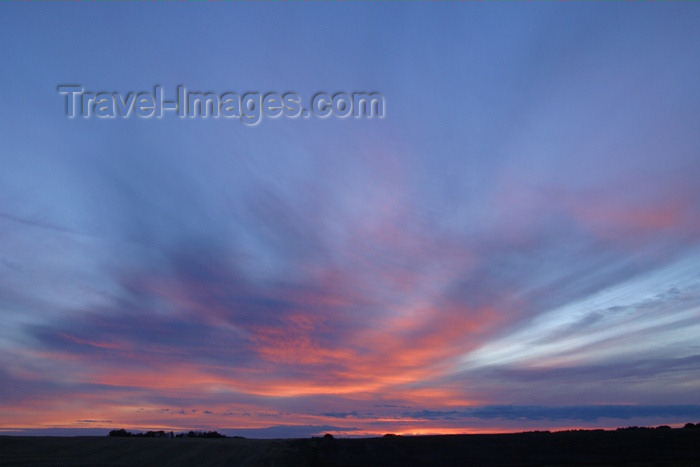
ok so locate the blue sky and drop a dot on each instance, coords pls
(514, 245)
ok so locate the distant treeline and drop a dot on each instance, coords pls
(122, 433)
(688, 426)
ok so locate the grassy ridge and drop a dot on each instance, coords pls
(633, 447)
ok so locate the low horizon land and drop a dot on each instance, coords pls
(625, 446)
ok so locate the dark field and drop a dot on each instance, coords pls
(625, 447)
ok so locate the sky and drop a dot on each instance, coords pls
(514, 245)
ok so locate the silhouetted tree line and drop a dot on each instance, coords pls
(688, 426)
(122, 433)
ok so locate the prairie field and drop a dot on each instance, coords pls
(646, 447)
